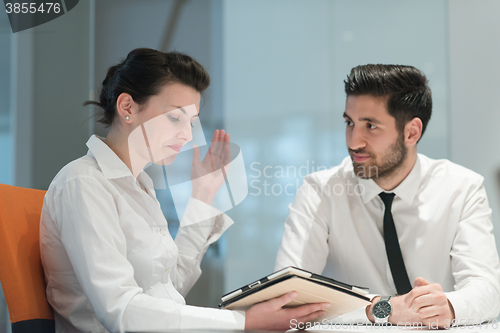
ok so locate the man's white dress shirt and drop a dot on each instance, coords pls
(109, 260)
(444, 226)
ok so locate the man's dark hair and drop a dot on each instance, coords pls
(404, 87)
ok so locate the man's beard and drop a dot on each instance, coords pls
(391, 161)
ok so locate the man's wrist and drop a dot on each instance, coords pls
(396, 303)
(401, 314)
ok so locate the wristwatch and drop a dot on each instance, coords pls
(382, 310)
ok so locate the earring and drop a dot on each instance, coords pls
(127, 117)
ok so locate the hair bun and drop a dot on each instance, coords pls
(143, 73)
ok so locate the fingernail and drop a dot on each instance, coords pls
(321, 313)
(327, 305)
(293, 295)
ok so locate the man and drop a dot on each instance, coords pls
(387, 215)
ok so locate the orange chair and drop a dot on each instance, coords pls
(21, 271)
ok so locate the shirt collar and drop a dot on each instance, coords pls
(111, 165)
(406, 190)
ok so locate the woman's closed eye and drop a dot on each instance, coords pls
(173, 119)
(177, 119)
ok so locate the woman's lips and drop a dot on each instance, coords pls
(177, 148)
(359, 158)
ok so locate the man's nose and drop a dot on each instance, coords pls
(357, 139)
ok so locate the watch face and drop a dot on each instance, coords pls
(382, 309)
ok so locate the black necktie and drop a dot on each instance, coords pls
(392, 248)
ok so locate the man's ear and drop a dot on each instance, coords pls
(413, 131)
(124, 105)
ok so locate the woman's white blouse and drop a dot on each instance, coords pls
(109, 260)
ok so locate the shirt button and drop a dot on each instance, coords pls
(167, 270)
(163, 232)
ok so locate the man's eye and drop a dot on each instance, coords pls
(371, 126)
(192, 125)
(172, 118)
(348, 122)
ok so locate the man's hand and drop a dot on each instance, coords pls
(271, 316)
(430, 303)
(426, 304)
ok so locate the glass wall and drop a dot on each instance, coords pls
(284, 66)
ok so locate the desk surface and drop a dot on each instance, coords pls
(485, 328)
(495, 327)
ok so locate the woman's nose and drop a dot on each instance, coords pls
(186, 133)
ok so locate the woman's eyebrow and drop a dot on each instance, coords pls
(184, 111)
(180, 108)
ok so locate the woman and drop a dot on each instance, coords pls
(109, 261)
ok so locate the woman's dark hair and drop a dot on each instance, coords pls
(405, 87)
(143, 73)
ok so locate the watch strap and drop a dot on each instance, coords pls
(385, 298)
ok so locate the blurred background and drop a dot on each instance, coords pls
(277, 70)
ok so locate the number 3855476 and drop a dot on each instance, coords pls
(24, 8)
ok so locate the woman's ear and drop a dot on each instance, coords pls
(413, 131)
(124, 107)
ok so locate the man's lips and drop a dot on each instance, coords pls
(177, 148)
(358, 158)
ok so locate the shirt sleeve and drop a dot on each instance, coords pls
(305, 235)
(475, 263)
(201, 226)
(356, 317)
(86, 216)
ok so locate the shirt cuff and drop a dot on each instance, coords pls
(198, 211)
(459, 306)
(212, 319)
(201, 226)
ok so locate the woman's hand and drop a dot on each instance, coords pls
(271, 315)
(208, 175)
